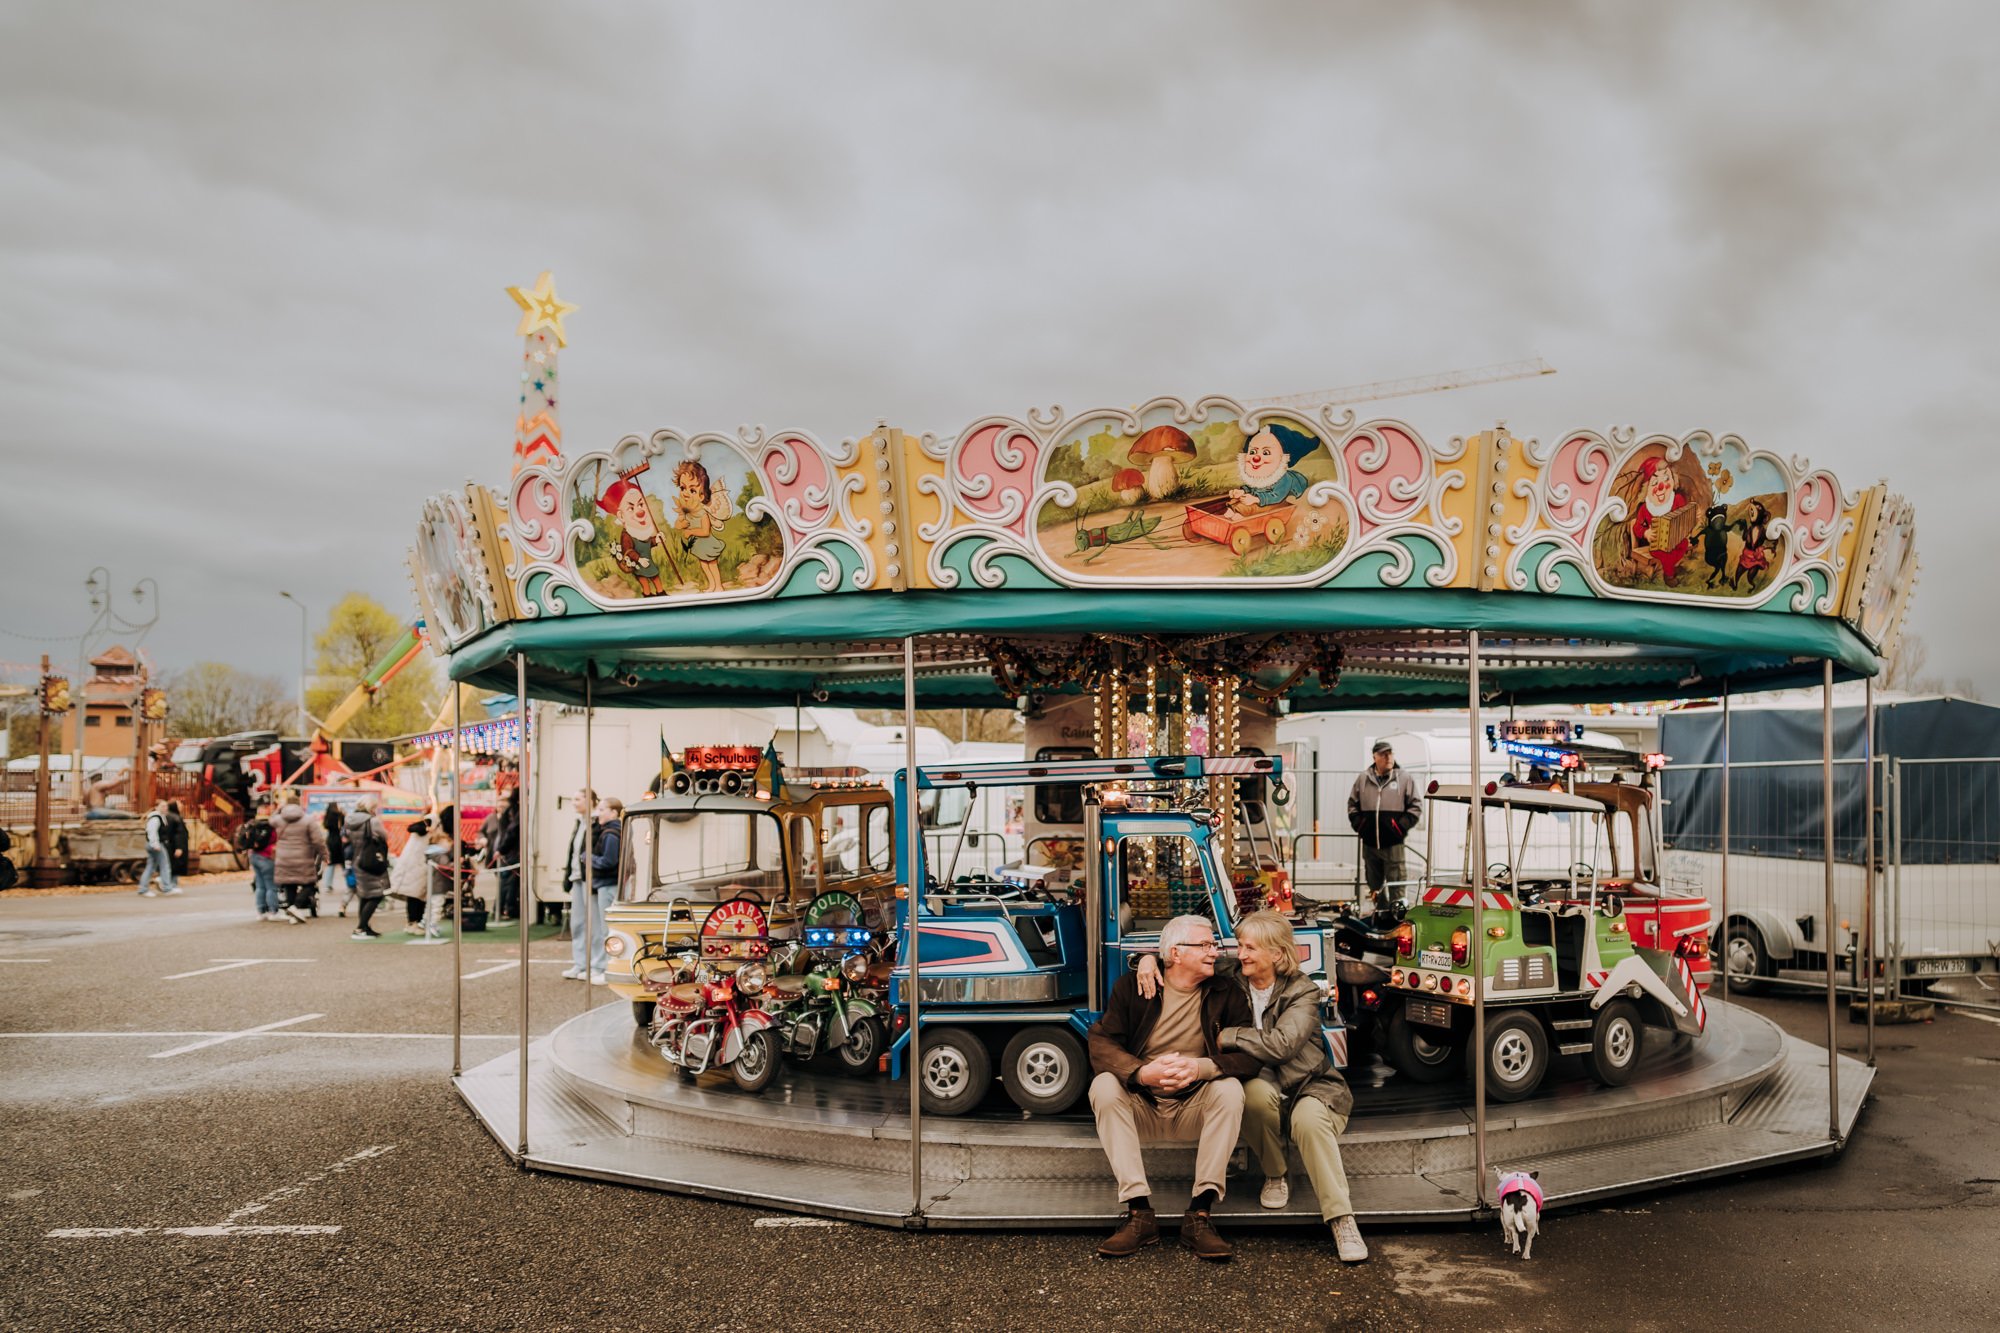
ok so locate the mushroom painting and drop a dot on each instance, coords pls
(1128, 484)
(1163, 449)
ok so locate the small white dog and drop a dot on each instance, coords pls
(1520, 1209)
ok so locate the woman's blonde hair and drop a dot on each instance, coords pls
(1270, 930)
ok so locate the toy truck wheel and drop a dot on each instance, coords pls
(1274, 531)
(757, 1063)
(956, 1070)
(1421, 1054)
(642, 1013)
(1616, 1042)
(1746, 957)
(1044, 1070)
(866, 1041)
(1517, 1056)
(1239, 541)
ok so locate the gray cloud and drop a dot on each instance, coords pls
(253, 252)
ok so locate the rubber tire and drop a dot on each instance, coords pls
(1603, 1066)
(1760, 955)
(1506, 1026)
(1400, 1049)
(642, 1013)
(848, 1058)
(753, 1072)
(976, 1070)
(1057, 1050)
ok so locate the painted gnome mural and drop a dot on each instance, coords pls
(1174, 499)
(1695, 524)
(698, 537)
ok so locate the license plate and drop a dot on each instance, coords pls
(1440, 958)
(1940, 967)
(1432, 1013)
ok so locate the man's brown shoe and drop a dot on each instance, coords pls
(1140, 1229)
(1198, 1234)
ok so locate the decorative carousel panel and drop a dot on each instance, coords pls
(1173, 494)
(449, 564)
(675, 518)
(1878, 596)
(1702, 518)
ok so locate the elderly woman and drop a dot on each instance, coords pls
(1298, 1082)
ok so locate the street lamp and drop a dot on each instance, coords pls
(305, 721)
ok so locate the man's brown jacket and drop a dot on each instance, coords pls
(1120, 1033)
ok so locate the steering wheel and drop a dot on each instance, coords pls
(1500, 873)
(1583, 870)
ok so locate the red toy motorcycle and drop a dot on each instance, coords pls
(709, 1016)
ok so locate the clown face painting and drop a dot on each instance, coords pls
(1169, 499)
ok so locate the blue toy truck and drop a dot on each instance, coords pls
(1012, 973)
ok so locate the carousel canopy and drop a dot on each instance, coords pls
(1330, 562)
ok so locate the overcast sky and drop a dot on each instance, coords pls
(252, 259)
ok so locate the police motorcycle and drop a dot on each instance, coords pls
(829, 987)
(711, 1007)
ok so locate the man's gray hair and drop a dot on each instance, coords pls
(1181, 930)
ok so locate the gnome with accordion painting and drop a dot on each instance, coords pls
(1665, 499)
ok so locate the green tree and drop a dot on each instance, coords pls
(215, 699)
(358, 633)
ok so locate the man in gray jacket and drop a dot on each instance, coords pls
(1382, 809)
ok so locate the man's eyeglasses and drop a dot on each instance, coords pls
(1201, 946)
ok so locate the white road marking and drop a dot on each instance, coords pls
(233, 1036)
(489, 971)
(227, 964)
(797, 1222)
(283, 1192)
(50, 960)
(231, 1226)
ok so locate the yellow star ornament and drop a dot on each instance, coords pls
(541, 308)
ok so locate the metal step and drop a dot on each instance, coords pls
(1573, 1048)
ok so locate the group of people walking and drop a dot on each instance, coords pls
(296, 858)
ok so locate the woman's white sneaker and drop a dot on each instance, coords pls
(1277, 1192)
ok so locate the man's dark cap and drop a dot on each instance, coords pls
(1383, 747)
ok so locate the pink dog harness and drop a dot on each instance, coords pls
(1520, 1182)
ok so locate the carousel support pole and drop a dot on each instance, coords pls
(589, 885)
(1827, 923)
(527, 886)
(1476, 844)
(1724, 913)
(1868, 854)
(913, 873)
(458, 924)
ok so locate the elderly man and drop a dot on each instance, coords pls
(1162, 1074)
(1382, 808)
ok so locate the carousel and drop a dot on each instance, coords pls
(831, 1038)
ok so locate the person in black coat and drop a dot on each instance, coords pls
(177, 839)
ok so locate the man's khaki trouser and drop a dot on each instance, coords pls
(1209, 1117)
(1314, 1129)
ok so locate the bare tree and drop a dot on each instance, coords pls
(215, 699)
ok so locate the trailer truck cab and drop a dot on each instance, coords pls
(1012, 969)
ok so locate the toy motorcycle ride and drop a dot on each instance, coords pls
(709, 1015)
(832, 1005)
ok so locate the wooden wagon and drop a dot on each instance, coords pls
(1217, 522)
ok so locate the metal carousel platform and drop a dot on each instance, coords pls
(602, 1104)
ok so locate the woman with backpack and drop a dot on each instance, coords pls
(368, 846)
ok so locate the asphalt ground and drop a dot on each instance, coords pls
(337, 1127)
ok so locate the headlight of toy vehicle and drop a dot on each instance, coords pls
(614, 946)
(750, 978)
(854, 967)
